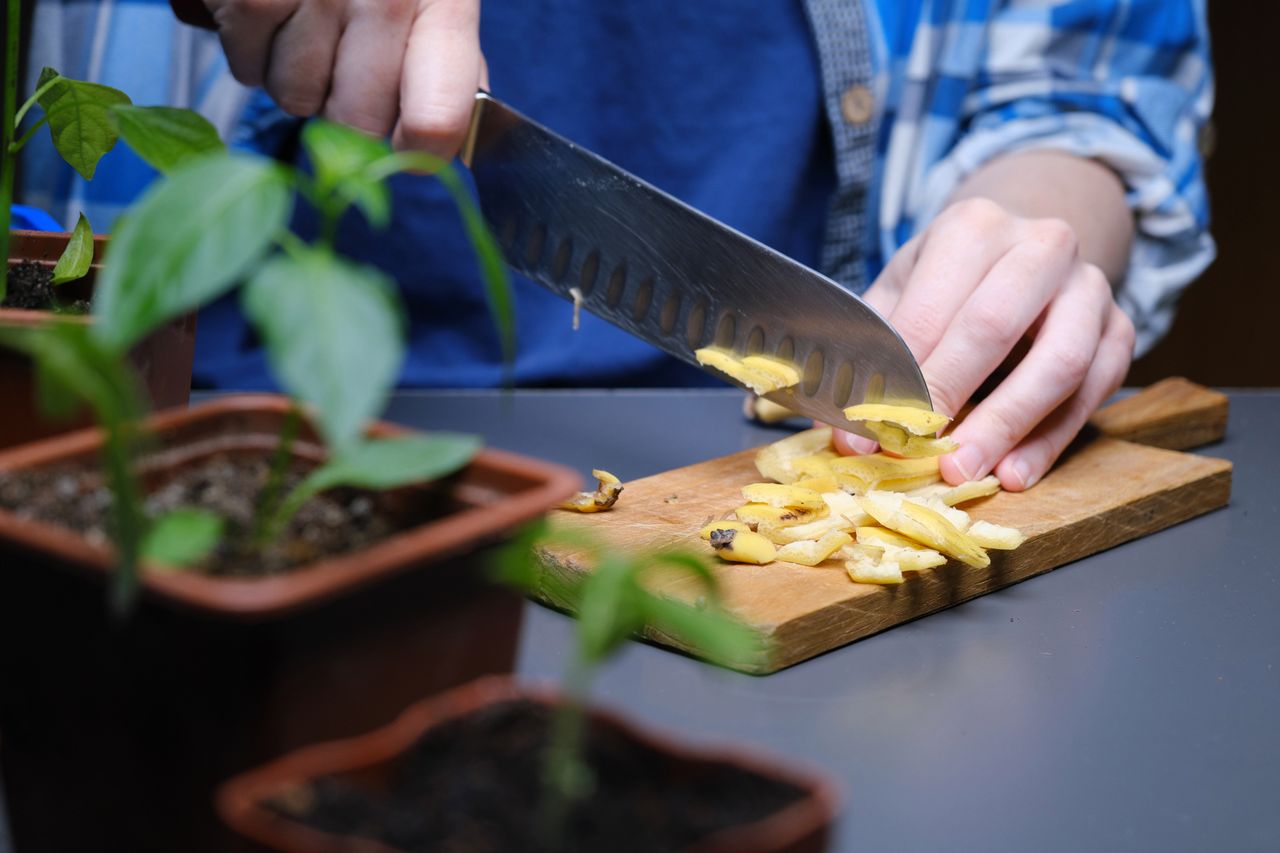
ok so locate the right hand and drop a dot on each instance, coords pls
(405, 67)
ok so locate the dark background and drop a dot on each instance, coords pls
(1228, 322)
(1228, 326)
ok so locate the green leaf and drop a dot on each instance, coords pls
(182, 537)
(166, 137)
(80, 122)
(334, 336)
(78, 255)
(341, 157)
(387, 463)
(190, 238)
(608, 609)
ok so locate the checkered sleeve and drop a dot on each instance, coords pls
(1126, 82)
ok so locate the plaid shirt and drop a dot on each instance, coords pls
(918, 93)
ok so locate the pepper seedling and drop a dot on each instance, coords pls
(333, 330)
(613, 605)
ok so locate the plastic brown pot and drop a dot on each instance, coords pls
(368, 760)
(163, 359)
(114, 734)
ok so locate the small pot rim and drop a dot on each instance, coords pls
(263, 598)
(239, 801)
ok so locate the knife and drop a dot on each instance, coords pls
(675, 277)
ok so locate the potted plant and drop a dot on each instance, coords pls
(497, 766)
(48, 273)
(277, 565)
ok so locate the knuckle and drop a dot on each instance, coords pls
(990, 322)
(1125, 332)
(296, 100)
(921, 330)
(1071, 367)
(979, 214)
(1054, 235)
(1096, 285)
(1002, 426)
(434, 123)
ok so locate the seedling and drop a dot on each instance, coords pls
(334, 331)
(85, 120)
(613, 605)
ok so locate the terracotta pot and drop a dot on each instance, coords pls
(128, 726)
(368, 759)
(163, 359)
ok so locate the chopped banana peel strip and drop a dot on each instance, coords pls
(765, 411)
(743, 546)
(956, 495)
(878, 471)
(814, 530)
(759, 373)
(775, 461)
(810, 553)
(763, 514)
(907, 418)
(897, 440)
(924, 525)
(778, 495)
(874, 570)
(603, 498)
(723, 524)
(995, 536)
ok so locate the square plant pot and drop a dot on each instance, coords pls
(462, 771)
(163, 359)
(114, 732)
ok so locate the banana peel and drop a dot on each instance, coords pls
(907, 418)
(879, 471)
(776, 461)
(783, 496)
(897, 440)
(603, 498)
(811, 552)
(924, 525)
(759, 373)
(742, 546)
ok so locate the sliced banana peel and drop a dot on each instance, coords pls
(742, 546)
(862, 474)
(810, 552)
(783, 496)
(765, 411)
(924, 525)
(956, 495)
(723, 524)
(907, 418)
(995, 536)
(603, 498)
(868, 567)
(773, 516)
(759, 373)
(775, 461)
(813, 530)
(897, 440)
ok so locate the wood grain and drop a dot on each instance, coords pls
(1102, 493)
(1174, 413)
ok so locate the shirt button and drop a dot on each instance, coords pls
(857, 104)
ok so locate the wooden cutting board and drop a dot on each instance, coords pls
(1105, 491)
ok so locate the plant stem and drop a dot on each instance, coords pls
(566, 778)
(17, 145)
(264, 520)
(31, 102)
(126, 507)
(13, 26)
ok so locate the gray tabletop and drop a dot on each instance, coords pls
(1129, 701)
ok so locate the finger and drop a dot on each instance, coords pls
(961, 247)
(1024, 467)
(302, 54)
(885, 291)
(1055, 367)
(999, 313)
(246, 31)
(442, 70)
(850, 443)
(366, 73)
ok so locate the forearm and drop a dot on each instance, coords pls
(1049, 184)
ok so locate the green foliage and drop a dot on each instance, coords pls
(344, 161)
(78, 255)
(333, 333)
(381, 464)
(80, 120)
(188, 240)
(181, 537)
(165, 137)
(74, 366)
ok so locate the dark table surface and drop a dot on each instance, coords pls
(1130, 701)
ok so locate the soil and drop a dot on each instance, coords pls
(474, 784)
(30, 286)
(330, 524)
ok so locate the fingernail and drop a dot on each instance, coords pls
(855, 443)
(1022, 473)
(968, 461)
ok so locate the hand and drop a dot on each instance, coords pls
(969, 289)
(406, 67)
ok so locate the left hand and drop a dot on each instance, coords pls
(963, 294)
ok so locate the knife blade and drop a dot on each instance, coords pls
(673, 276)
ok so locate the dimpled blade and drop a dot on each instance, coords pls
(675, 277)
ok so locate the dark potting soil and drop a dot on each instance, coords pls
(474, 784)
(329, 524)
(30, 286)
